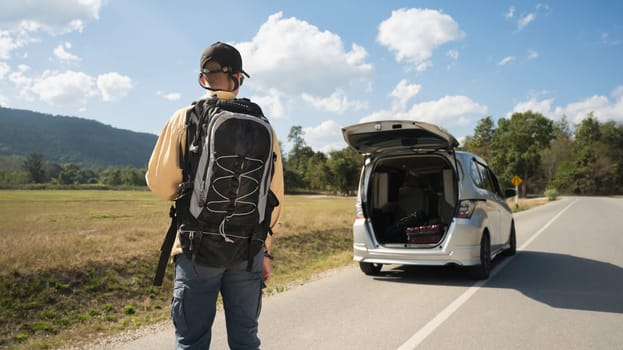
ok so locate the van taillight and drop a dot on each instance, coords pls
(358, 211)
(466, 209)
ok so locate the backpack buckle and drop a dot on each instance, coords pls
(183, 189)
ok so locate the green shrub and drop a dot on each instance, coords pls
(129, 310)
(551, 194)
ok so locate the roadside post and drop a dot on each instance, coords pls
(516, 180)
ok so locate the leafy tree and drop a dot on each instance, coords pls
(300, 151)
(292, 180)
(559, 152)
(72, 174)
(12, 178)
(87, 176)
(133, 177)
(567, 178)
(69, 175)
(587, 133)
(597, 153)
(34, 166)
(612, 136)
(345, 166)
(516, 145)
(480, 143)
(317, 173)
(295, 136)
(52, 170)
(112, 176)
(296, 164)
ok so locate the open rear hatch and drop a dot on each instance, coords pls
(411, 197)
(380, 136)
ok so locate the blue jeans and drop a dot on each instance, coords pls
(195, 292)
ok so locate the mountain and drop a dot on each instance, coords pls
(61, 139)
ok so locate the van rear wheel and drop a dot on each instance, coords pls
(370, 269)
(512, 242)
(482, 271)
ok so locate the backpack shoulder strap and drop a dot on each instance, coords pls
(195, 115)
(165, 249)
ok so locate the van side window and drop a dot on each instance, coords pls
(476, 174)
(482, 177)
(486, 179)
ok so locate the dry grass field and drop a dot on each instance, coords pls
(79, 264)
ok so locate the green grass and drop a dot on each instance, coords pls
(79, 263)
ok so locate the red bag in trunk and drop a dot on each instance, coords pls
(425, 234)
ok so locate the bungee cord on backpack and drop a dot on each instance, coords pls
(224, 205)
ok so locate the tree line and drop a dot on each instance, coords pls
(35, 170)
(547, 155)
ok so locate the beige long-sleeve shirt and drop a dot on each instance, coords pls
(164, 173)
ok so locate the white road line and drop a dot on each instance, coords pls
(441, 317)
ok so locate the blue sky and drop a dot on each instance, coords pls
(320, 65)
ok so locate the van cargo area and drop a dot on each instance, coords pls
(411, 200)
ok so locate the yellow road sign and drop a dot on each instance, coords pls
(516, 180)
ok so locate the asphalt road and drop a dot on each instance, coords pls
(563, 290)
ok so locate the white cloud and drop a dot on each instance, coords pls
(9, 42)
(543, 8)
(171, 96)
(336, 103)
(20, 19)
(532, 55)
(544, 106)
(525, 20)
(453, 54)
(68, 88)
(510, 13)
(19, 77)
(357, 56)
(413, 34)
(448, 112)
(62, 54)
(113, 86)
(403, 92)
(602, 107)
(271, 104)
(324, 137)
(4, 70)
(295, 57)
(52, 16)
(506, 60)
(607, 40)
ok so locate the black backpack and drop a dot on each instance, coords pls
(224, 206)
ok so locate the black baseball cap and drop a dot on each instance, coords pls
(225, 55)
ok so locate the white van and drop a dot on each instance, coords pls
(422, 202)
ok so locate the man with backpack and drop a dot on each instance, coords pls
(219, 160)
